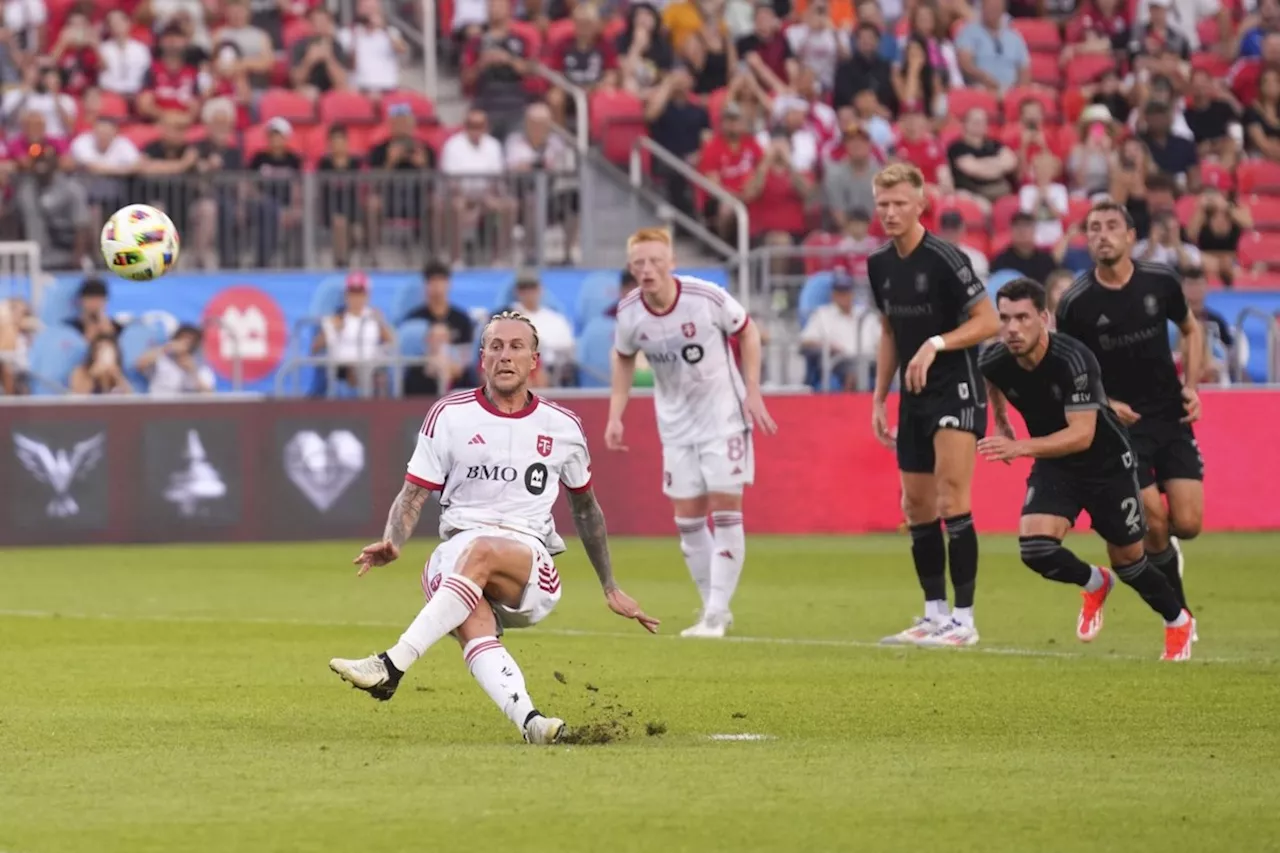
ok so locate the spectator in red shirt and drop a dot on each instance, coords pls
(494, 65)
(776, 196)
(76, 54)
(729, 158)
(1244, 75)
(1099, 26)
(1031, 140)
(172, 84)
(767, 52)
(231, 83)
(917, 144)
(587, 60)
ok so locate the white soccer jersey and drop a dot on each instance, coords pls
(495, 469)
(698, 391)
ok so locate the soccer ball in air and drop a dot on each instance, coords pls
(139, 243)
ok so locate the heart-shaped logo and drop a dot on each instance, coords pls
(323, 468)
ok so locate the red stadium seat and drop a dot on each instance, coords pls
(617, 120)
(1014, 97)
(141, 135)
(1258, 176)
(1257, 281)
(1039, 33)
(1002, 212)
(347, 108)
(114, 106)
(1259, 250)
(1217, 176)
(1073, 104)
(1046, 69)
(1088, 68)
(974, 216)
(282, 103)
(1266, 212)
(960, 101)
(424, 110)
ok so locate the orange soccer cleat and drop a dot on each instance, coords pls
(1090, 621)
(1177, 641)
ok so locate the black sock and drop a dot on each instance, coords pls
(962, 557)
(930, 556)
(1166, 562)
(1045, 556)
(1152, 586)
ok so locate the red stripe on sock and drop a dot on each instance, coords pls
(487, 646)
(460, 589)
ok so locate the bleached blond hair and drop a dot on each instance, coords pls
(896, 174)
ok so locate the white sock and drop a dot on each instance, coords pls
(726, 559)
(499, 675)
(696, 544)
(447, 609)
(1182, 619)
(936, 611)
(963, 615)
(1096, 580)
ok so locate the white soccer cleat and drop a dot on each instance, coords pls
(953, 634)
(921, 629)
(368, 674)
(543, 731)
(710, 626)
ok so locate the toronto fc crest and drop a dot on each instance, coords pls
(689, 329)
(544, 445)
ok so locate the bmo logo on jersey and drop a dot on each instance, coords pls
(500, 473)
(535, 478)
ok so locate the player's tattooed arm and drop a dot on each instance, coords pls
(404, 514)
(588, 518)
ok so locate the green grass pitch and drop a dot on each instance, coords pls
(178, 699)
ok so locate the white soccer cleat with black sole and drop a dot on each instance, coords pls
(371, 674)
(710, 626)
(543, 731)
(953, 635)
(921, 629)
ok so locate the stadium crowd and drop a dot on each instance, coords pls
(1019, 112)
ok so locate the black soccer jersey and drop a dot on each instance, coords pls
(927, 293)
(1067, 379)
(1127, 329)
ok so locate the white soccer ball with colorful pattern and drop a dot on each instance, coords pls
(139, 243)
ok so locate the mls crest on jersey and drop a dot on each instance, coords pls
(922, 283)
(1082, 381)
(1149, 302)
(965, 275)
(544, 445)
(688, 329)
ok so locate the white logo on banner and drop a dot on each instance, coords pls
(59, 469)
(323, 468)
(244, 333)
(196, 484)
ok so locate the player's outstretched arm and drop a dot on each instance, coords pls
(621, 375)
(588, 518)
(401, 521)
(1075, 437)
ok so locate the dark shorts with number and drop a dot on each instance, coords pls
(1166, 450)
(1114, 503)
(919, 418)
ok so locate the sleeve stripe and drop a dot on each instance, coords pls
(716, 294)
(746, 320)
(426, 484)
(562, 410)
(579, 489)
(1082, 407)
(954, 258)
(429, 425)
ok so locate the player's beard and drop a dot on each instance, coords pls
(1111, 261)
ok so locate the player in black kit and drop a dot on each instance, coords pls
(1083, 461)
(1120, 310)
(934, 312)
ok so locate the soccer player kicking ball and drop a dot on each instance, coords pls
(1121, 310)
(706, 409)
(934, 313)
(497, 456)
(1083, 461)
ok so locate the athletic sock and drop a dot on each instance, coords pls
(697, 545)
(498, 674)
(1153, 587)
(1045, 556)
(929, 553)
(726, 559)
(1166, 562)
(962, 559)
(452, 603)
(1096, 580)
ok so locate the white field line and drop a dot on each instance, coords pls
(620, 635)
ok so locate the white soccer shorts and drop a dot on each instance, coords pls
(541, 594)
(721, 465)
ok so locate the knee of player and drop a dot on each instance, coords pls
(1157, 525)
(952, 500)
(1038, 553)
(479, 562)
(917, 511)
(1185, 522)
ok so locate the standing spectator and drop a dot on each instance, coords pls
(125, 60)
(847, 182)
(1166, 246)
(403, 195)
(818, 45)
(339, 211)
(1023, 255)
(586, 59)
(437, 308)
(28, 21)
(537, 149)
(1187, 14)
(992, 54)
(270, 15)
(444, 369)
(176, 367)
(494, 68)
(475, 164)
(865, 69)
(255, 57)
(916, 83)
(767, 50)
(318, 62)
(1262, 119)
(41, 93)
(869, 113)
(1211, 112)
(981, 167)
(644, 49)
(1031, 140)
(951, 228)
(230, 87)
(729, 158)
(1099, 26)
(173, 83)
(940, 52)
(100, 372)
(163, 161)
(17, 330)
(54, 209)
(278, 209)
(709, 56)
(1173, 155)
(678, 124)
(354, 334)
(1245, 74)
(556, 343)
(75, 53)
(1267, 22)
(1089, 163)
(917, 144)
(777, 195)
(106, 160)
(376, 48)
(93, 319)
(1045, 199)
(1215, 228)
(837, 337)
(1159, 48)
(191, 15)
(216, 210)
(805, 140)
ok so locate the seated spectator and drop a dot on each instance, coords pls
(355, 333)
(992, 53)
(806, 141)
(709, 56)
(55, 210)
(1246, 74)
(494, 68)
(376, 50)
(100, 372)
(41, 93)
(444, 369)
(1159, 48)
(1112, 94)
(230, 86)
(1022, 254)
(847, 182)
(339, 211)
(176, 367)
(918, 144)
(683, 18)
(869, 113)
(190, 15)
(644, 50)
(940, 53)
(869, 12)
(125, 60)
(1158, 196)
(864, 69)
(1045, 199)
(106, 160)
(1089, 164)
(474, 162)
(1173, 155)
(1215, 228)
(626, 284)
(279, 195)
(1165, 244)
(981, 167)
(587, 59)
(556, 344)
(729, 158)
(777, 195)
(318, 63)
(1099, 26)
(75, 54)
(836, 338)
(1059, 281)
(1220, 353)
(173, 82)
(1266, 21)
(818, 45)
(402, 196)
(917, 84)
(537, 149)
(436, 308)
(163, 160)
(215, 212)
(270, 16)
(814, 112)
(766, 51)
(93, 320)
(1031, 140)
(677, 123)
(1262, 119)
(255, 57)
(17, 329)
(26, 21)
(951, 228)
(1212, 113)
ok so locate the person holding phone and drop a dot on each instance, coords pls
(100, 372)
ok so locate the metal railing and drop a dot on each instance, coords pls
(1272, 326)
(581, 108)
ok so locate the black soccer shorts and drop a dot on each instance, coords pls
(919, 419)
(1166, 450)
(1114, 503)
